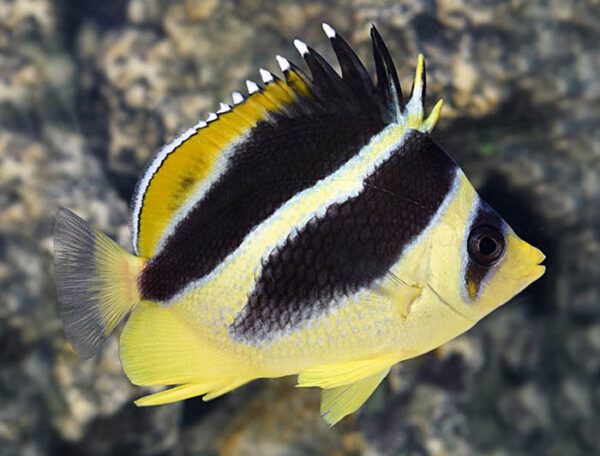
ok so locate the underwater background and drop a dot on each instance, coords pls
(90, 89)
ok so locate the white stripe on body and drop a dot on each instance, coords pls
(220, 168)
(157, 161)
(344, 183)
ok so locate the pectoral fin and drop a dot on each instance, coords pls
(336, 403)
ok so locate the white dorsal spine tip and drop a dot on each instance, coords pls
(266, 76)
(237, 97)
(223, 107)
(200, 124)
(252, 87)
(211, 116)
(301, 46)
(329, 30)
(283, 63)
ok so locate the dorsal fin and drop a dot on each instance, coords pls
(182, 170)
(354, 72)
(388, 85)
(179, 169)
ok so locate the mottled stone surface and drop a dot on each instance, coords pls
(88, 90)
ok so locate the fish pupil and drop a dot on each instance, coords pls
(487, 246)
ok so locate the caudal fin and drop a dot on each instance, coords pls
(96, 282)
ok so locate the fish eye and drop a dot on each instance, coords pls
(486, 245)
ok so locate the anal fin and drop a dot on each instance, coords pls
(208, 391)
(177, 393)
(341, 401)
(159, 347)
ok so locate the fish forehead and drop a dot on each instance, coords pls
(349, 246)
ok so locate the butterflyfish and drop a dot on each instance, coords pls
(312, 227)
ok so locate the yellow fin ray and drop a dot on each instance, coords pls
(341, 401)
(433, 117)
(208, 391)
(224, 388)
(177, 393)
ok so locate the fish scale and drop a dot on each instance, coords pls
(344, 264)
(198, 243)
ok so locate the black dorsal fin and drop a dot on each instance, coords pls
(354, 73)
(388, 85)
(325, 82)
(354, 92)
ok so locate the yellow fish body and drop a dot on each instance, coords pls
(314, 228)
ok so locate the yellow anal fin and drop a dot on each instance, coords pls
(336, 403)
(159, 347)
(224, 388)
(334, 375)
(177, 393)
(189, 390)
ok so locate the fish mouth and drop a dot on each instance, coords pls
(539, 269)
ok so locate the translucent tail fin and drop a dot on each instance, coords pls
(96, 281)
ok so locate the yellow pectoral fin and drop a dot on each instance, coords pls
(336, 403)
(393, 295)
(334, 375)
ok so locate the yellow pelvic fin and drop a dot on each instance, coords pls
(393, 296)
(159, 347)
(338, 402)
(334, 375)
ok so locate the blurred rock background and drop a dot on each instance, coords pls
(89, 90)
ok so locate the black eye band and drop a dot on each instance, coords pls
(486, 245)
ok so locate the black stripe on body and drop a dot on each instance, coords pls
(278, 160)
(352, 245)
